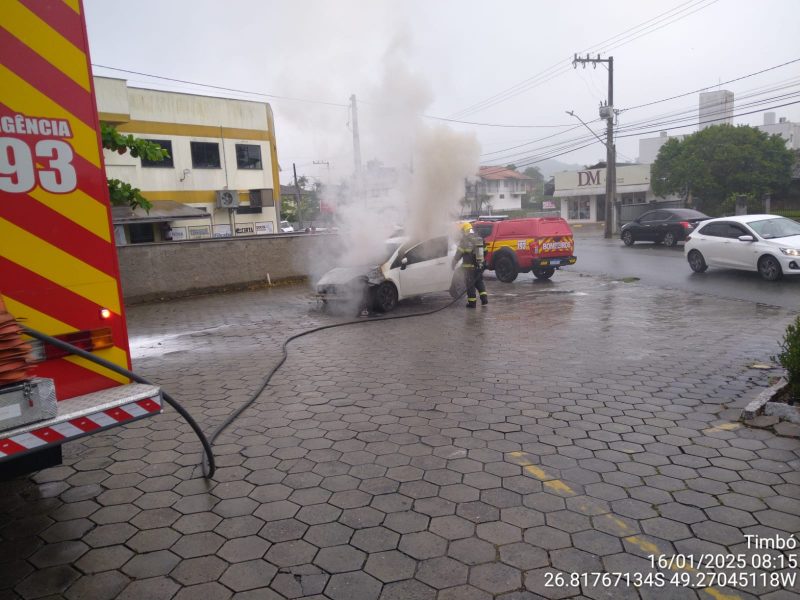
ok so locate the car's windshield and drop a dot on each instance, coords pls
(775, 228)
(389, 251)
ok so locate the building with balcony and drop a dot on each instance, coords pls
(502, 189)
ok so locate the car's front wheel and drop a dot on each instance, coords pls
(543, 273)
(670, 239)
(769, 268)
(505, 269)
(627, 238)
(385, 297)
(697, 262)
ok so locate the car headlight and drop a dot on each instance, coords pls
(790, 251)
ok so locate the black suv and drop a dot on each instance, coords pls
(666, 226)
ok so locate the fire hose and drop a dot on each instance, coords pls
(265, 382)
(209, 464)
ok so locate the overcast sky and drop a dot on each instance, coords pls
(442, 57)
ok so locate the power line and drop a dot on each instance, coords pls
(556, 150)
(688, 110)
(631, 34)
(703, 89)
(219, 87)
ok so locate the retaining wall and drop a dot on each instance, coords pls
(174, 269)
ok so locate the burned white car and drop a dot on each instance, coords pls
(409, 269)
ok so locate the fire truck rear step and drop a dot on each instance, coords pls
(83, 415)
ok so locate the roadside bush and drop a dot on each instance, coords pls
(789, 357)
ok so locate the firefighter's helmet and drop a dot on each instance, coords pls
(466, 227)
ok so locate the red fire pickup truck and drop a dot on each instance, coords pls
(539, 245)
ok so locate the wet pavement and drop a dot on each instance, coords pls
(576, 438)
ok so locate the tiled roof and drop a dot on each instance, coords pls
(493, 173)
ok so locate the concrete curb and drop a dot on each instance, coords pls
(755, 407)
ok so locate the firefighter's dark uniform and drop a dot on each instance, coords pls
(470, 269)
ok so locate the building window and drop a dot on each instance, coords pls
(205, 155)
(578, 209)
(141, 233)
(248, 156)
(502, 196)
(167, 163)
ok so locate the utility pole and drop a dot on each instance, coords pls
(356, 148)
(356, 138)
(606, 112)
(297, 199)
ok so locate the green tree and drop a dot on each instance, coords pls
(721, 162)
(309, 201)
(529, 199)
(122, 193)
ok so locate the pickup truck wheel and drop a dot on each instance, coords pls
(385, 298)
(543, 273)
(505, 269)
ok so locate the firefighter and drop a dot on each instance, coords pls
(470, 252)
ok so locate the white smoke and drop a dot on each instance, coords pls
(418, 179)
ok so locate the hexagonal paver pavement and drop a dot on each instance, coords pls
(375, 466)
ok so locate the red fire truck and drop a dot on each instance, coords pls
(58, 264)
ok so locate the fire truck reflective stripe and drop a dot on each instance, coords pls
(28, 440)
(114, 355)
(27, 100)
(48, 434)
(79, 208)
(34, 254)
(41, 74)
(135, 410)
(41, 221)
(66, 311)
(8, 447)
(60, 16)
(74, 5)
(77, 427)
(118, 414)
(67, 429)
(84, 424)
(149, 405)
(46, 42)
(103, 419)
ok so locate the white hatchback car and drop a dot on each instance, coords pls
(768, 244)
(408, 269)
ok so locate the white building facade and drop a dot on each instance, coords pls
(650, 147)
(788, 130)
(221, 177)
(716, 108)
(502, 188)
(583, 193)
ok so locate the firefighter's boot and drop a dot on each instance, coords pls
(470, 302)
(484, 298)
